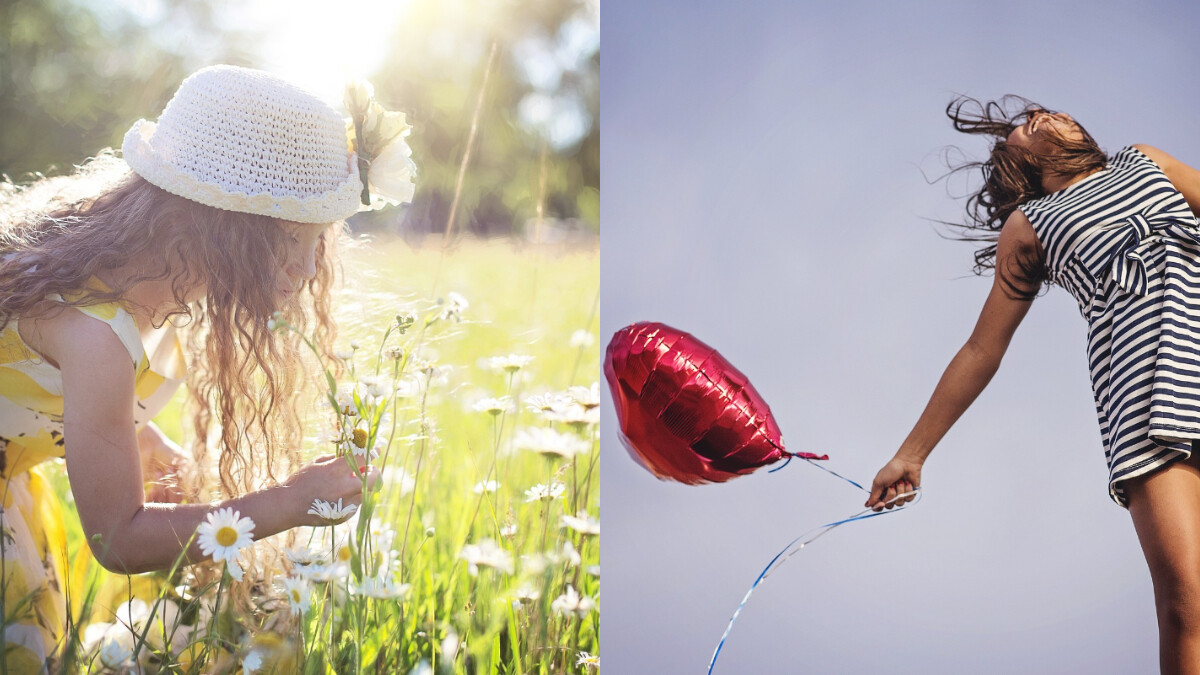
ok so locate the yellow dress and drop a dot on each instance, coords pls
(32, 537)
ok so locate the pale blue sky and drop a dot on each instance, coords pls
(766, 187)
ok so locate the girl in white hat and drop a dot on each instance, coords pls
(229, 215)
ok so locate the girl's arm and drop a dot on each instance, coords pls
(1183, 177)
(103, 464)
(970, 370)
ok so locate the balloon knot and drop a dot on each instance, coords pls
(785, 463)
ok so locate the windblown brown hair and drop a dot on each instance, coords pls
(245, 379)
(1012, 176)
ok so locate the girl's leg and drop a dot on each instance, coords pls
(1166, 513)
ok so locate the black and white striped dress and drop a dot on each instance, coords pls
(1125, 244)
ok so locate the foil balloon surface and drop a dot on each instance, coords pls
(685, 413)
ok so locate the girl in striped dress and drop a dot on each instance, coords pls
(1120, 234)
(217, 216)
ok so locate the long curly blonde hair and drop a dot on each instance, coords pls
(246, 381)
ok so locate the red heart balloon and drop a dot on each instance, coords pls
(686, 413)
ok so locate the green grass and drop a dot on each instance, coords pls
(521, 301)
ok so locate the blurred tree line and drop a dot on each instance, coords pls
(75, 75)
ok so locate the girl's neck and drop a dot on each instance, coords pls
(145, 300)
(1055, 182)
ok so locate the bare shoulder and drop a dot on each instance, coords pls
(1183, 177)
(1169, 165)
(1159, 157)
(66, 336)
(1018, 233)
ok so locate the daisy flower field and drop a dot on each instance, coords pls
(468, 376)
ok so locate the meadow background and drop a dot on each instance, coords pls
(521, 300)
(503, 99)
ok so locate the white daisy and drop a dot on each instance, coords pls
(342, 550)
(376, 386)
(575, 414)
(354, 442)
(582, 523)
(454, 306)
(572, 602)
(435, 374)
(493, 406)
(224, 533)
(235, 569)
(407, 387)
(545, 493)
(581, 339)
(507, 364)
(482, 487)
(116, 647)
(486, 554)
(324, 573)
(332, 512)
(345, 400)
(588, 397)
(526, 594)
(380, 588)
(450, 647)
(568, 555)
(547, 403)
(167, 627)
(589, 661)
(305, 556)
(534, 564)
(509, 531)
(133, 614)
(93, 634)
(550, 443)
(299, 594)
(382, 535)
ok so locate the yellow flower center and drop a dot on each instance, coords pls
(343, 554)
(227, 536)
(296, 595)
(360, 438)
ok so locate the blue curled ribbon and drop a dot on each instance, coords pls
(1124, 257)
(795, 545)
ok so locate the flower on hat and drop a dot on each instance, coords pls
(384, 158)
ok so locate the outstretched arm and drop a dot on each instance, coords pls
(970, 370)
(1183, 177)
(125, 533)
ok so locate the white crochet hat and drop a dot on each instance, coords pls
(245, 140)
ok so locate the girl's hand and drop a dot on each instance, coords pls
(329, 478)
(897, 477)
(163, 466)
